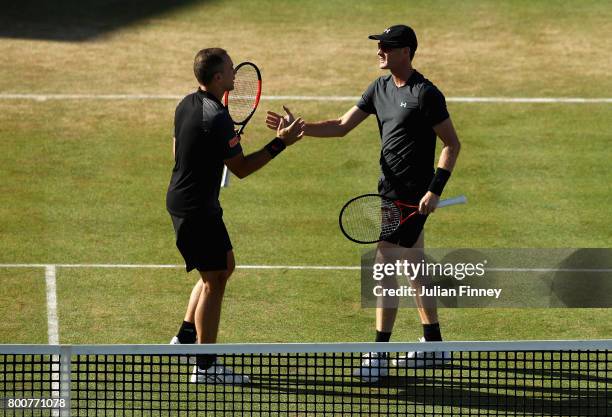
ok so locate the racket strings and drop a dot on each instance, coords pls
(243, 98)
(370, 218)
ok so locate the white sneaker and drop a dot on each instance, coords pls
(420, 359)
(373, 367)
(183, 359)
(218, 373)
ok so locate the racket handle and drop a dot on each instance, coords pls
(225, 177)
(452, 201)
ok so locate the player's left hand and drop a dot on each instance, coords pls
(428, 203)
(273, 119)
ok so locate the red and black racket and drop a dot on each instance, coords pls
(370, 218)
(242, 101)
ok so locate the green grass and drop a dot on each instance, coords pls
(124, 306)
(85, 181)
(97, 194)
(480, 48)
(23, 306)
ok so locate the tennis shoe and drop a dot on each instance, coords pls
(218, 373)
(421, 359)
(374, 366)
(183, 359)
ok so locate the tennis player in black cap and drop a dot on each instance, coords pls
(411, 112)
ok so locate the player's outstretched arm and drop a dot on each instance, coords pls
(243, 166)
(328, 128)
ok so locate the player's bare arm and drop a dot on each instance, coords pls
(243, 166)
(328, 128)
(448, 157)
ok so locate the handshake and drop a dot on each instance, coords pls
(288, 128)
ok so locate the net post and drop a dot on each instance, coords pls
(65, 370)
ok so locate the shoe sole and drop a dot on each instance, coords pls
(194, 380)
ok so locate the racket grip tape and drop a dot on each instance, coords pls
(275, 147)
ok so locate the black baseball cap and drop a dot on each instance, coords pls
(398, 36)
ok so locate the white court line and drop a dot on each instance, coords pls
(548, 269)
(292, 267)
(45, 97)
(52, 319)
(152, 266)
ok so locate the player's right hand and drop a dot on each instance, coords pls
(291, 133)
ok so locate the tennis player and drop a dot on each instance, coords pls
(204, 140)
(411, 112)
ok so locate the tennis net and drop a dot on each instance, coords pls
(528, 378)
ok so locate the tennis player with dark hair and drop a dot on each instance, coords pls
(411, 112)
(204, 140)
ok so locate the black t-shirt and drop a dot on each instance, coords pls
(406, 116)
(205, 137)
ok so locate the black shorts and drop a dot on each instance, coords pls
(203, 241)
(408, 233)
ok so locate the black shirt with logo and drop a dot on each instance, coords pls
(406, 116)
(205, 137)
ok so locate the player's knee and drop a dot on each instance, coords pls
(214, 281)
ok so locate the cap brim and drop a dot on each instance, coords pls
(384, 39)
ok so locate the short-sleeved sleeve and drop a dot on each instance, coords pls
(433, 106)
(366, 102)
(223, 131)
(176, 122)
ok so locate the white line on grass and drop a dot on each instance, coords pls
(293, 267)
(53, 331)
(52, 320)
(548, 270)
(45, 97)
(147, 266)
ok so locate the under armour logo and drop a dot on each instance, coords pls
(387, 30)
(403, 104)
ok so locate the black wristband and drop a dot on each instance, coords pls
(275, 147)
(439, 181)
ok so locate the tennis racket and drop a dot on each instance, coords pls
(370, 218)
(242, 101)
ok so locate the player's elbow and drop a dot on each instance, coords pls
(240, 173)
(239, 166)
(343, 130)
(337, 128)
(454, 147)
(237, 169)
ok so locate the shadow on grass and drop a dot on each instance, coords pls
(76, 20)
(535, 392)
